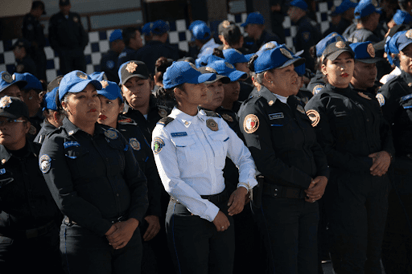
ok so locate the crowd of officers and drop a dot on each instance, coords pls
(245, 156)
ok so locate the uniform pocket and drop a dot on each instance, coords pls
(219, 146)
(190, 156)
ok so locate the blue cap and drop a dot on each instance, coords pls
(366, 7)
(331, 38)
(233, 56)
(300, 4)
(254, 18)
(402, 17)
(364, 52)
(224, 68)
(8, 80)
(184, 72)
(147, 29)
(50, 99)
(345, 5)
(335, 11)
(206, 59)
(159, 27)
(278, 57)
(196, 22)
(32, 81)
(396, 43)
(201, 32)
(76, 81)
(116, 35)
(99, 76)
(301, 70)
(110, 90)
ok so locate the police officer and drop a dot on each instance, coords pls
(97, 184)
(108, 63)
(395, 100)
(358, 145)
(294, 169)
(32, 31)
(133, 40)
(147, 31)
(347, 8)
(190, 148)
(368, 19)
(29, 218)
(203, 39)
(68, 38)
(24, 62)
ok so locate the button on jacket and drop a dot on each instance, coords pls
(93, 179)
(190, 157)
(284, 143)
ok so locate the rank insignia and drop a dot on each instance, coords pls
(162, 112)
(363, 95)
(300, 109)
(227, 117)
(340, 44)
(380, 99)
(81, 75)
(251, 123)
(134, 143)
(409, 34)
(313, 116)
(210, 123)
(271, 102)
(158, 145)
(5, 102)
(104, 84)
(371, 50)
(317, 88)
(131, 67)
(286, 53)
(111, 133)
(45, 163)
(7, 77)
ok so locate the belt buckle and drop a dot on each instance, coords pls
(118, 220)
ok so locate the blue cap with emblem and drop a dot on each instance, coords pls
(402, 17)
(345, 5)
(227, 69)
(206, 59)
(110, 90)
(159, 27)
(254, 18)
(201, 32)
(364, 52)
(74, 82)
(366, 7)
(300, 4)
(49, 101)
(278, 57)
(32, 81)
(7, 80)
(184, 72)
(395, 44)
(147, 29)
(329, 39)
(233, 56)
(116, 35)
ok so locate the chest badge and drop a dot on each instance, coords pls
(210, 123)
(134, 143)
(313, 116)
(251, 123)
(111, 134)
(45, 163)
(227, 117)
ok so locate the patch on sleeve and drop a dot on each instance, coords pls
(158, 145)
(381, 99)
(134, 143)
(313, 116)
(251, 123)
(111, 133)
(316, 89)
(45, 163)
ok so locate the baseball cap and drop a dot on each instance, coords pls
(300, 4)
(329, 39)
(195, 23)
(233, 56)
(116, 35)
(402, 17)
(159, 27)
(366, 7)
(49, 100)
(132, 69)
(54, 83)
(7, 80)
(206, 59)
(110, 90)
(224, 68)
(32, 81)
(147, 28)
(184, 72)
(223, 78)
(364, 52)
(21, 43)
(13, 107)
(254, 18)
(278, 57)
(76, 81)
(201, 32)
(99, 76)
(346, 4)
(333, 50)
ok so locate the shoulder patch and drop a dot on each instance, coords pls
(45, 163)
(313, 116)
(212, 125)
(251, 123)
(158, 145)
(317, 88)
(381, 99)
(166, 120)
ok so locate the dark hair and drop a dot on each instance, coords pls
(233, 35)
(128, 33)
(160, 67)
(251, 63)
(166, 99)
(218, 52)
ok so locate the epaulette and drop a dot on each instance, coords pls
(127, 121)
(211, 113)
(166, 120)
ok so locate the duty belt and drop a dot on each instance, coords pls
(68, 221)
(283, 191)
(215, 198)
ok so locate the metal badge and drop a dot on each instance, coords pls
(380, 99)
(340, 44)
(227, 117)
(313, 116)
(209, 69)
(111, 134)
(45, 163)
(371, 50)
(251, 123)
(81, 75)
(162, 112)
(271, 102)
(210, 123)
(158, 145)
(5, 102)
(131, 67)
(286, 53)
(270, 45)
(134, 143)
(104, 83)
(363, 95)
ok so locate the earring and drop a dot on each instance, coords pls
(30, 98)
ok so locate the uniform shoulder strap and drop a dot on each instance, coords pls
(166, 120)
(211, 113)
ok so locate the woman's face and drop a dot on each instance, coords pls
(109, 111)
(232, 91)
(215, 93)
(137, 92)
(13, 91)
(339, 72)
(193, 94)
(83, 107)
(405, 59)
(13, 134)
(284, 81)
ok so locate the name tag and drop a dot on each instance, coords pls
(178, 134)
(274, 116)
(71, 144)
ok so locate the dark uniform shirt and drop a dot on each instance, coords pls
(281, 140)
(363, 35)
(94, 180)
(343, 25)
(126, 55)
(348, 31)
(45, 130)
(153, 50)
(304, 95)
(108, 64)
(25, 200)
(254, 45)
(316, 83)
(32, 31)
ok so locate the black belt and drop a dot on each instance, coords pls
(283, 191)
(68, 221)
(215, 198)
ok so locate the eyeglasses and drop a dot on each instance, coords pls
(10, 121)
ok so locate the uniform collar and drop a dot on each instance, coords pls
(339, 90)
(72, 129)
(407, 77)
(268, 95)
(5, 155)
(183, 118)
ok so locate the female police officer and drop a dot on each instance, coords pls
(357, 144)
(190, 149)
(97, 184)
(283, 145)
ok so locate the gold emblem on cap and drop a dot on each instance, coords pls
(286, 53)
(210, 123)
(104, 83)
(5, 102)
(7, 77)
(363, 95)
(313, 116)
(340, 44)
(229, 65)
(371, 50)
(131, 67)
(227, 117)
(209, 69)
(333, 34)
(409, 34)
(270, 45)
(225, 24)
(81, 75)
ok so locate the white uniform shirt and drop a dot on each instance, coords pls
(208, 48)
(190, 157)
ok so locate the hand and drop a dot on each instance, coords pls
(123, 233)
(221, 222)
(381, 163)
(316, 189)
(237, 201)
(153, 228)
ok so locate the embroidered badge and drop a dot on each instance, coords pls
(363, 95)
(271, 102)
(45, 163)
(178, 134)
(227, 117)
(5, 102)
(371, 50)
(81, 75)
(131, 67)
(251, 123)
(409, 34)
(2, 171)
(225, 24)
(111, 133)
(158, 145)
(162, 112)
(104, 84)
(317, 88)
(229, 65)
(313, 116)
(381, 99)
(134, 143)
(286, 53)
(210, 123)
(278, 115)
(71, 144)
(340, 44)
(300, 109)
